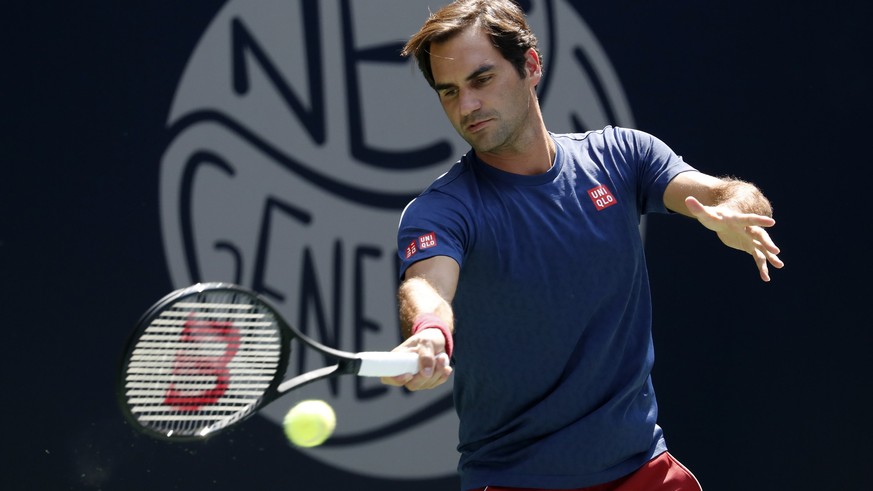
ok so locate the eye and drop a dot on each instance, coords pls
(448, 93)
(484, 79)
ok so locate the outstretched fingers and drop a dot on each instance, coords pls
(743, 231)
(764, 251)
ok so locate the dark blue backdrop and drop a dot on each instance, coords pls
(762, 386)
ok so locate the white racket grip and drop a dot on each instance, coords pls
(389, 364)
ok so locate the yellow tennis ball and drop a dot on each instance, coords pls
(309, 423)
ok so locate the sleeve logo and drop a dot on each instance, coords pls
(427, 241)
(411, 250)
(601, 197)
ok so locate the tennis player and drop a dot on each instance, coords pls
(524, 263)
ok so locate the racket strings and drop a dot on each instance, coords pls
(202, 364)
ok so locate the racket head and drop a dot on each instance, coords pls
(202, 359)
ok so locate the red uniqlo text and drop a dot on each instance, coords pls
(601, 197)
(427, 241)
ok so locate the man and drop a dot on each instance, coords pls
(524, 264)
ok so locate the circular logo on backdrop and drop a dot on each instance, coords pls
(297, 136)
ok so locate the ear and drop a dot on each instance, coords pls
(532, 65)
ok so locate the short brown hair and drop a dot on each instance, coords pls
(502, 20)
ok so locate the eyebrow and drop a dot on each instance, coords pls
(479, 71)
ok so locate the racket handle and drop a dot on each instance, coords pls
(388, 364)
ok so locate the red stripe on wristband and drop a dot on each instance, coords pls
(428, 321)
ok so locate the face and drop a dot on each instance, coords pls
(481, 92)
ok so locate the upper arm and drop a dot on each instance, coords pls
(441, 272)
(691, 183)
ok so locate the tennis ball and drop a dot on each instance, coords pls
(309, 423)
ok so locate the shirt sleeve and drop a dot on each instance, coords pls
(434, 224)
(656, 165)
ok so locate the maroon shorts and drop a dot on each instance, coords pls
(663, 473)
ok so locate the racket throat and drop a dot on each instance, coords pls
(343, 368)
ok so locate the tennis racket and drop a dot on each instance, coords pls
(206, 357)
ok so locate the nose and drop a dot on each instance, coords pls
(469, 102)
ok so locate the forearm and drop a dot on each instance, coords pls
(426, 322)
(741, 196)
(416, 296)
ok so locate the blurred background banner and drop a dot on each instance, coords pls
(274, 144)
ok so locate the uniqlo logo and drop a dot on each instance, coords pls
(601, 197)
(427, 240)
(411, 250)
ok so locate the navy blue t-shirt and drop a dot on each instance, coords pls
(553, 345)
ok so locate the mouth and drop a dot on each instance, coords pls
(478, 125)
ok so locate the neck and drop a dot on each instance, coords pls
(530, 152)
(528, 156)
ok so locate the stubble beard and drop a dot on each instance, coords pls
(493, 139)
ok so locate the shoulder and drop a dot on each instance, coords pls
(607, 136)
(456, 184)
(618, 144)
(450, 191)
(454, 179)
